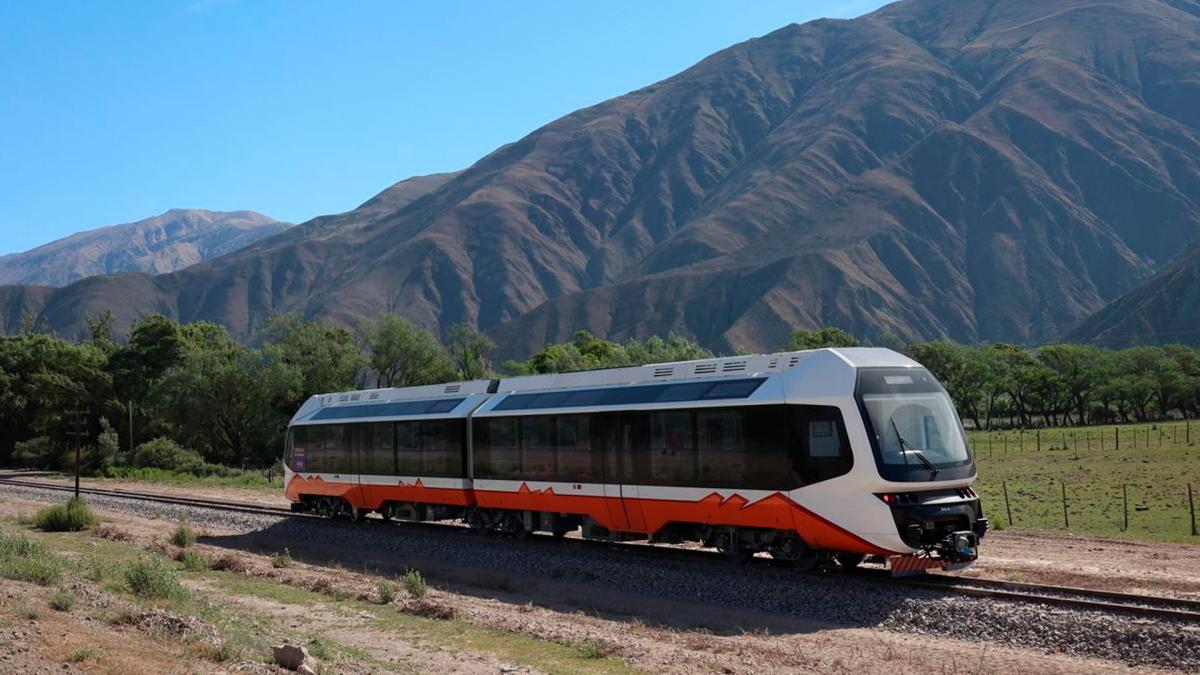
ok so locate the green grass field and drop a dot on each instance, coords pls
(1154, 463)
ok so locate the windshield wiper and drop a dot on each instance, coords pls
(914, 450)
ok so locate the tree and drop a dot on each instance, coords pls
(402, 355)
(470, 352)
(826, 337)
(326, 358)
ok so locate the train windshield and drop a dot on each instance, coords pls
(913, 422)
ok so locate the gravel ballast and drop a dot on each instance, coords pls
(446, 552)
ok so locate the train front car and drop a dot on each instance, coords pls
(909, 493)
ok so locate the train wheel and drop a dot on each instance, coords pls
(848, 560)
(798, 553)
(356, 515)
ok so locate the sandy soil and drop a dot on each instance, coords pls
(634, 629)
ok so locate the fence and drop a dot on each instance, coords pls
(1135, 479)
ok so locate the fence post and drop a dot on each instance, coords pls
(1188, 433)
(1005, 445)
(1066, 520)
(1125, 500)
(1039, 440)
(1008, 508)
(1118, 432)
(1192, 509)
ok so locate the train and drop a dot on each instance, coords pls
(821, 458)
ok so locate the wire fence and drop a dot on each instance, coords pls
(1138, 480)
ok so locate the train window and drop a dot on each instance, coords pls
(538, 455)
(579, 399)
(818, 444)
(297, 449)
(439, 452)
(408, 449)
(370, 448)
(768, 466)
(721, 447)
(497, 449)
(672, 455)
(576, 462)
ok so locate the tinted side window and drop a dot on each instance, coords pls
(497, 448)
(672, 449)
(336, 450)
(408, 449)
(721, 446)
(372, 445)
(538, 455)
(576, 460)
(439, 451)
(818, 444)
(768, 466)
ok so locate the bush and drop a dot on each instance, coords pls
(281, 560)
(193, 562)
(73, 516)
(152, 577)
(164, 453)
(387, 592)
(24, 559)
(34, 453)
(62, 600)
(414, 583)
(183, 536)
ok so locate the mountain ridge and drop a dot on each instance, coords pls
(164, 243)
(972, 170)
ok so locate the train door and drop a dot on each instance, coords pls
(620, 473)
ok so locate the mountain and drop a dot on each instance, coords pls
(971, 169)
(165, 243)
(1165, 309)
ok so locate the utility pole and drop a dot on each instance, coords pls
(78, 428)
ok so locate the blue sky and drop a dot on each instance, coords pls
(116, 111)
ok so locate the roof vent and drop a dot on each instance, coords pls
(664, 372)
(374, 395)
(773, 363)
(343, 397)
(793, 361)
(355, 397)
(706, 369)
(733, 366)
(453, 388)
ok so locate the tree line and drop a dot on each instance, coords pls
(188, 396)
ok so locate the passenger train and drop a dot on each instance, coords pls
(819, 457)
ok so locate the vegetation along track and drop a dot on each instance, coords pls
(1110, 602)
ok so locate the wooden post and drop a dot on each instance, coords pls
(1117, 430)
(1005, 445)
(1125, 501)
(1066, 521)
(1192, 509)
(1187, 437)
(1008, 508)
(1064, 439)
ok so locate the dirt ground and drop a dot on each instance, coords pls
(477, 639)
(1127, 565)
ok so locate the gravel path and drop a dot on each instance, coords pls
(830, 599)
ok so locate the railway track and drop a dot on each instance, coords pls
(1110, 602)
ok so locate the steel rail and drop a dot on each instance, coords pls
(1111, 602)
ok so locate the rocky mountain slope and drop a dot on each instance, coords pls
(165, 243)
(972, 169)
(1164, 310)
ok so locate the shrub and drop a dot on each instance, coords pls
(62, 600)
(164, 453)
(24, 559)
(387, 592)
(152, 577)
(193, 562)
(34, 453)
(414, 583)
(592, 648)
(183, 536)
(73, 516)
(281, 560)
